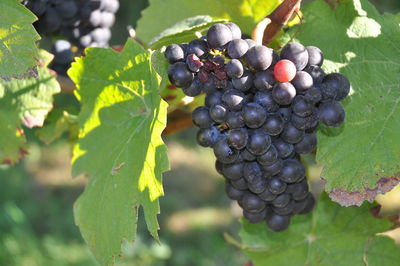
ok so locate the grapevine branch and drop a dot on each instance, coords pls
(266, 30)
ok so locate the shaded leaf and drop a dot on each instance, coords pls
(331, 235)
(24, 102)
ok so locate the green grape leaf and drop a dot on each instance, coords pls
(119, 148)
(362, 157)
(27, 102)
(183, 31)
(246, 13)
(330, 235)
(57, 123)
(18, 49)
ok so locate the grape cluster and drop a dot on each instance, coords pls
(261, 112)
(83, 22)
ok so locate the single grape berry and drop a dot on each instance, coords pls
(179, 75)
(259, 57)
(296, 53)
(174, 53)
(302, 81)
(237, 138)
(201, 117)
(237, 48)
(284, 70)
(283, 93)
(254, 115)
(234, 69)
(331, 113)
(278, 223)
(315, 56)
(232, 192)
(218, 36)
(339, 84)
(233, 171)
(235, 30)
(264, 80)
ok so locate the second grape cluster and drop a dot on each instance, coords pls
(261, 112)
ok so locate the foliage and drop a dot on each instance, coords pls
(18, 51)
(362, 155)
(28, 101)
(121, 109)
(331, 235)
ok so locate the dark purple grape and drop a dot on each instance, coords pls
(252, 172)
(232, 192)
(273, 169)
(307, 144)
(269, 157)
(234, 99)
(218, 113)
(331, 113)
(234, 69)
(252, 203)
(281, 200)
(309, 206)
(286, 210)
(174, 53)
(237, 48)
(247, 156)
(302, 107)
(237, 138)
(276, 186)
(292, 171)
(284, 149)
(258, 186)
(254, 115)
(244, 83)
(198, 47)
(299, 191)
(259, 57)
(265, 99)
(235, 30)
(278, 223)
(209, 86)
(219, 35)
(283, 93)
(179, 74)
(337, 84)
(201, 117)
(274, 124)
(291, 134)
(235, 120)
(255, 217)
(313, 95)
(213, 99)
(240, 184)
(296, 53)
(264, 80)
(259, 142)
(233, 171)
(302, 81)
(194, 89)
(223, 152)
(316, 73)
(207, 137)
(315, 56)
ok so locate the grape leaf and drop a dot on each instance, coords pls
(330, 235)
(18, 50)
(120, 147)
(57, 123)
(246, 13)
(28, 101)
(183, 31)
(362, 157)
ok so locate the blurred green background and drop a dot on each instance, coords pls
(37, 195)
